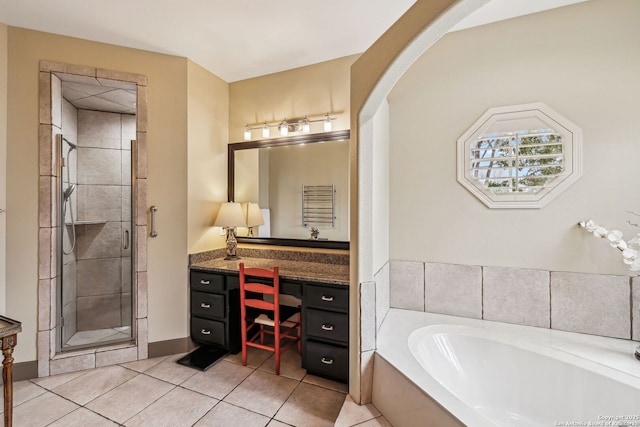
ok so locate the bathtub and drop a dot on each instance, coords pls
(482, 373)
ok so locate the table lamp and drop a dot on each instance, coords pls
(229, 217)
(254, 217)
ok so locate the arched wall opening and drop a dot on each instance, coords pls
(372, 77)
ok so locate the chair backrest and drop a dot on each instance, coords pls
(257, 290)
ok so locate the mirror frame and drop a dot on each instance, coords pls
(279, 142)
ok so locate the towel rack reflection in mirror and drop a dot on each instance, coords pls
(318, 204)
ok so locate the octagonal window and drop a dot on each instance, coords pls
(519, 156)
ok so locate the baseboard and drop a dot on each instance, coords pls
(24, 371)
(169, 347)
(29, 370)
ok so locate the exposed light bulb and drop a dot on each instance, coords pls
(247, 133)
(265, 130)
(284, 128)
(327, 123)
(306, 126)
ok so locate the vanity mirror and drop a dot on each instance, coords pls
(272, 173)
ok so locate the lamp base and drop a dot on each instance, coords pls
(232, 244)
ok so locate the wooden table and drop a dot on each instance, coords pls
(9, 329)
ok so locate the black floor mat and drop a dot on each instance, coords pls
(203, 357)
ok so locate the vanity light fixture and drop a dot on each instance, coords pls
(229, 217)
(306, 126)
(326, 123)
(285, 126)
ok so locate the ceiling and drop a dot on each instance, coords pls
(90, 93)
(237, 39)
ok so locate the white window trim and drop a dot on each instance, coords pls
(572, 151)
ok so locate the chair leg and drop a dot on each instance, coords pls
(244, 343)
(276, 345)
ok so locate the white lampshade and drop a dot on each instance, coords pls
(230, 215)
(254, 216)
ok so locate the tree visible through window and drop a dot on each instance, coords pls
(523, 161)
(519, 156)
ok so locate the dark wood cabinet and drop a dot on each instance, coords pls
(325, 331)
(215, 319)
(215, 310)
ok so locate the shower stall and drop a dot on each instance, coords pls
(96, 230)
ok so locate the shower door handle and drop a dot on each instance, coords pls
(125, 238)
(153, 210)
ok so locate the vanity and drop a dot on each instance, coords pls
(274, 173)
(322, 287)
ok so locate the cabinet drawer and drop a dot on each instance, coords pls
(207, 305)
(326, 325)
(326, 360)
(207, 331)
(291, 288)
(207, 282)
(326, 298)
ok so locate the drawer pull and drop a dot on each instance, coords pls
(327, 361)
(203, 305)
(327, 298)
(205, 332)
(205, 282)
(326, 327)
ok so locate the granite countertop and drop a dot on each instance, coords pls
(337, 274)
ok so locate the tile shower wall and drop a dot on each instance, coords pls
(607, 305)
(104, 205)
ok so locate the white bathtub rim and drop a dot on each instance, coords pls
(616, 359)
(525, 342)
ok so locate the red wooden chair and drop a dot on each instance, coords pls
(261, 316)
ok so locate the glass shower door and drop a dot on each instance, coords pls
(96, 228)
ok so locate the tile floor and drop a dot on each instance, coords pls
(160, 392)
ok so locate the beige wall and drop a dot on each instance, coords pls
(208, 107)
(380, 181)
(167, 182)
(589, 73)
(313, 91)
(248, 170)
(3, 159)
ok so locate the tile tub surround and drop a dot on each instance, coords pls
(574, 302)
(159, 391)
(453, 289)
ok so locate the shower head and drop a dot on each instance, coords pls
(72, 146)
(68, 191)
